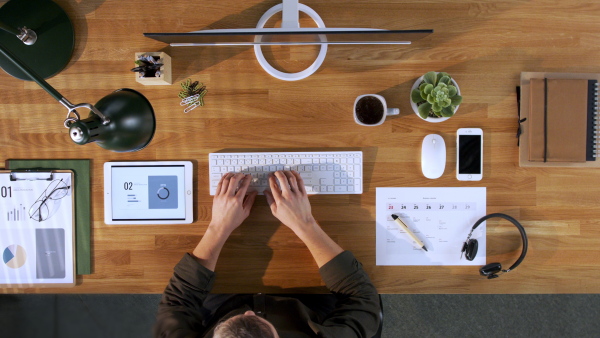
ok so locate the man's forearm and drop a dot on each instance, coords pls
(320, 245)
(208, 249)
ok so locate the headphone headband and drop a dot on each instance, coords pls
(515, 223)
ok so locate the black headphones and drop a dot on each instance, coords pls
(491, 270)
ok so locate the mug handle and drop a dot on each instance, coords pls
(392, 111)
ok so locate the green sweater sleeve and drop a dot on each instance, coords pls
(179, 312)
(357, 311)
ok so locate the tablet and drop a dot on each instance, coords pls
(148, 192)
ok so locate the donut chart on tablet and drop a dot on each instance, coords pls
(14, 256)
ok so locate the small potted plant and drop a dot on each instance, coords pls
(435, 97)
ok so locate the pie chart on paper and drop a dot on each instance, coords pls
(14, 256)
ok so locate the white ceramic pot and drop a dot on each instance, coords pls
(415, 108)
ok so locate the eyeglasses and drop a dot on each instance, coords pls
(41, 210)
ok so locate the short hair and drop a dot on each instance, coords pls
(241, 326)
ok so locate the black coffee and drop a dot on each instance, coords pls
(369, 110)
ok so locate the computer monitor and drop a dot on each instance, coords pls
(302, 36)
(290, 33)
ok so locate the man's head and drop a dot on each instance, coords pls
(247, 325)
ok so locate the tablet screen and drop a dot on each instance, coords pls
(148, 192)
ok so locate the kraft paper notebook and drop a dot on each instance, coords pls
(81, 168)
(558, 113)
(558, 117)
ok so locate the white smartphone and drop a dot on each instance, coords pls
(469, 154)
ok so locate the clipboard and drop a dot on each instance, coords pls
(81, 170)
(37, 237)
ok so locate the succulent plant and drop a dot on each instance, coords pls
(436, 96)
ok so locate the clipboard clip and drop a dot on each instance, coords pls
(31, 175)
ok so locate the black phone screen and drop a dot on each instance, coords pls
(469, 154)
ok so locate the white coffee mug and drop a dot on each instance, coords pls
(385, 111)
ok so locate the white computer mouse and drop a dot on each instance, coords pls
(433, 156)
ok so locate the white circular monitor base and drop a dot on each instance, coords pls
(291, 76)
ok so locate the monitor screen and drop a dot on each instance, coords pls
(279, 36)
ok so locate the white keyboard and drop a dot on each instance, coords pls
(335, 172)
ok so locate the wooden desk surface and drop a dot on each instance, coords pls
(484, 45)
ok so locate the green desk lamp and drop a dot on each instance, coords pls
(36, 42)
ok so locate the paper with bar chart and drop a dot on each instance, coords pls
(36, 229)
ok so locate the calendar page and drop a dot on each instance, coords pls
(440, 217)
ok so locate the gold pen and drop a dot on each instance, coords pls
(399, 221)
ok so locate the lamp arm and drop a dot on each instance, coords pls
(50, 90)
(73, 109)
(28, 36)
(9, 29)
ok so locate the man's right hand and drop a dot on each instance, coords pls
(289, 203)
(289, 200)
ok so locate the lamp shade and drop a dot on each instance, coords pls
(131, 127)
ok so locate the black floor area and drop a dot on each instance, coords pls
(66, 316)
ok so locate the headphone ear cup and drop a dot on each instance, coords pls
(470, 249)
(490, 270)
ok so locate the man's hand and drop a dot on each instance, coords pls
(289, 201)
(231, 205)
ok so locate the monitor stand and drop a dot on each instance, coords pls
(291, 10)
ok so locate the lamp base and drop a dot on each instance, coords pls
(55, 42)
